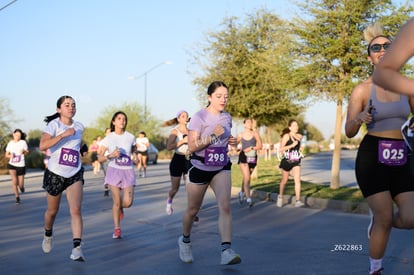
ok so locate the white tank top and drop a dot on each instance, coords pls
(183, 148)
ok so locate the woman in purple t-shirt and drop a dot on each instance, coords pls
(209, 135)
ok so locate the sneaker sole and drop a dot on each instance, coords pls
(235, 260)
(80, 259)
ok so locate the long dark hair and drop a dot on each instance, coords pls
(287, 130)
(22, 134)
(112, 126)
(58, 104)
(213, 86)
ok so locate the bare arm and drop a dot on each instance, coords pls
(172, 144)
(358, 109)
(259, 143)
(387, 71)
(196, 143)
(47, 141)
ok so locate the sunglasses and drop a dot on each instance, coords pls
(376, 48)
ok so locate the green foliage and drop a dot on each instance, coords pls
(34, 160)
(269, 177)
(254, 59)
(332, 47)
(136, 123)
(7, 118)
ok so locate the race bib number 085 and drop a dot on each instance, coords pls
(69, 157)
(392, 152)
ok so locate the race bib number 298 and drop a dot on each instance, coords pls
(216, 156)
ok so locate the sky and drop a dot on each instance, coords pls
(89, 49)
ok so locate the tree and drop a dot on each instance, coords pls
(330, 35)
(255, 60)
(6, 117)
(136, 123)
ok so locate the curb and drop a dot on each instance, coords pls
(288, 200)
(315, 203)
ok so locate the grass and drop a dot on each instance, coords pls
(269, 178)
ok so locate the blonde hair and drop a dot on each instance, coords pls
(373, 31)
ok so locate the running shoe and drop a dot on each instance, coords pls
(106, 193)
(229, 257)
(77, 254)
(279, 202)
(186, 255)
(22, 189)
(249, 202)
(169, 208)
(117, 233)
(241, 198)
(371, 224)
(17, 200)
(299, 204)
(377, 272)
(47, 244)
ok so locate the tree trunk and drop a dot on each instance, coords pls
(336, 158)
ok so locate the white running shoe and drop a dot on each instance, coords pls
(186, 255)
(77, 254)
(229, 257)
(169, 208)
(47, 244)
(279, 202)
(249, 202)
(299, 204)
(241, 198)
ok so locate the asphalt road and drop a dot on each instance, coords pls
(270, 240)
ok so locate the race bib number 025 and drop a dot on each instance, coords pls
(392, 152)
(216, 156)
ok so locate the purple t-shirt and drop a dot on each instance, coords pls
(204, 123)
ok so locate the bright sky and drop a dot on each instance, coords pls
(88, 49)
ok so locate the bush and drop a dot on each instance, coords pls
(34, 160)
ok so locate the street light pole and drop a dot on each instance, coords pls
(145, 74)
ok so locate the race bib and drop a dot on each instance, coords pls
(251, 159)
(69, 157)
(216, 156)
(123, 160)
(392, 152)
(16, 158)
(294, 156)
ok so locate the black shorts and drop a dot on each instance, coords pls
(94, 156)
(374, 177)
(178, 165)
(55, 184)
(143, 153)
(199, 176)
(20, 171)
(243, 159)
(287, 165)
